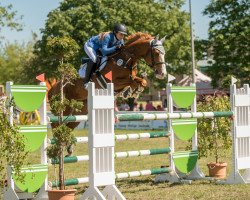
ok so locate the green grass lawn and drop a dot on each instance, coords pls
(144, 188)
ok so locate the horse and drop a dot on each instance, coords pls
(124, 68)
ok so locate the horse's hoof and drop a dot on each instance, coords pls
(135, 95)
(137, 92)
(127, 93)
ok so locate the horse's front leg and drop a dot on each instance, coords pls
(135, 86)
(140, 84)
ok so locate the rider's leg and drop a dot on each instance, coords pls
(90, 52)
(89, 69)
(92, 55)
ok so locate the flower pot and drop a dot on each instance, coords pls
(217, 170)
(61, 194)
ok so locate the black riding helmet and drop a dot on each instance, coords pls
(120, 28)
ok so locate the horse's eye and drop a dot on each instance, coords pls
(158, 52)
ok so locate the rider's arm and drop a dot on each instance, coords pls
(105, 50)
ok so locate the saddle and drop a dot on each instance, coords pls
(90, 64)
(93, 69)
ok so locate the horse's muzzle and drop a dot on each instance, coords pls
(161, 73)
(160, 76)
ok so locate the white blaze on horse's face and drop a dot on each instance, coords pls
(159, 60)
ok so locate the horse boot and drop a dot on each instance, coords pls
(89, 70)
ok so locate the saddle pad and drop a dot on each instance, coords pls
(82, 70)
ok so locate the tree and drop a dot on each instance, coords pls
(62, 49)
(8, 18)
(15, 62)
(202, 49)
(214, 134)
(81, 19)
(229, 33)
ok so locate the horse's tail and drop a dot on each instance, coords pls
(49, 84)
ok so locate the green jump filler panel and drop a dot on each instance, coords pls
(185, 161)
(184, 129)
(28, 97)
(183, 97)
(34, 177)
(33, 136)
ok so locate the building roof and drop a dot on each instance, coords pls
(203, 83)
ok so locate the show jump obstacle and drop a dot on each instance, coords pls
(29, 98)
(102, 139)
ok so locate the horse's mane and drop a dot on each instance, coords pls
(138, 36)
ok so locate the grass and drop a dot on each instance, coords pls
(144, 188)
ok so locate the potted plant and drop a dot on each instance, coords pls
(214, 135)
(62, 134)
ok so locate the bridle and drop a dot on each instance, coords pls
(159, 47)
(153, 45)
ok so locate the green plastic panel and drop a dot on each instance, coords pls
(28, 98)
(34, 177)
(185, 161)
(33, 136)
(183, 97)
(184, 129)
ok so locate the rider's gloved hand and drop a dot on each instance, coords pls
(118, 47)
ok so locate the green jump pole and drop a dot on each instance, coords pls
(165, 116)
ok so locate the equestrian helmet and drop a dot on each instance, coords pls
(120, 28)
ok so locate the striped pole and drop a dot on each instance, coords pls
(142, 173)
(141, 135)
(76, 118)
(76, 181)
(132, 136)
(125, 154)
(148, 116)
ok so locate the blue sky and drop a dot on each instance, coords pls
(35, 13)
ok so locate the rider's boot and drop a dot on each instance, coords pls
(88, 72)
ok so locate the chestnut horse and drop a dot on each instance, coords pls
(123, 65)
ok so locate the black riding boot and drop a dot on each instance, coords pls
(88, 72)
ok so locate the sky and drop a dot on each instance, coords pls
(35, 14)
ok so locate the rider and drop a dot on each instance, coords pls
(106, 43)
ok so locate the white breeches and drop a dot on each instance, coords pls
(90, 52)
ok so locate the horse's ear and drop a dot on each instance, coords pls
(163, 39)
(157, 37)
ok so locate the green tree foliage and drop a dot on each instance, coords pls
(15, 63)
(8, 18)
(201, 49)
(12, 147)
(229, 33)
(214, 134)
(81, 19)
(62, 50)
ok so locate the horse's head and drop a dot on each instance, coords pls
(155, 57)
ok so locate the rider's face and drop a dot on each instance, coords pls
(119, 35)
